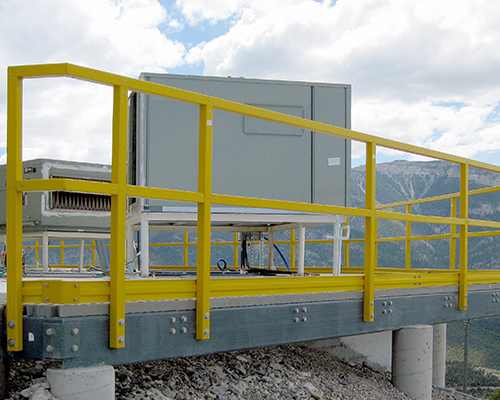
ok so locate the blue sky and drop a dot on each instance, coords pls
(422, 71)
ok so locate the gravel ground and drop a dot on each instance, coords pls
(281, 372)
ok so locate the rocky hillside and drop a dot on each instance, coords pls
(282, 372)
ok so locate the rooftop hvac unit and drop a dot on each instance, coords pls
(251, 157)
(60, 210)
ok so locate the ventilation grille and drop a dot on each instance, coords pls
(74, 201)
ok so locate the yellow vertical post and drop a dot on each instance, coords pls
(408, 241)
(453, 232)
(118, 219)
(14, 214)
(464, 232)
(61, 251)
(204, 228)
(346, 248)
(186, 248)
(376, 244)
(292, 249)
(92, 253)
(370, 234)
(37, 251)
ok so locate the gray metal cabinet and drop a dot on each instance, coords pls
(251, 157)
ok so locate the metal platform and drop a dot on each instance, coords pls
(78, 335)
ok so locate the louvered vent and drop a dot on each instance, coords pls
(74, 201)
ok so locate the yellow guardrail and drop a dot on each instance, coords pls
(117, 290)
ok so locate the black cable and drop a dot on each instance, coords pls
(244, 255)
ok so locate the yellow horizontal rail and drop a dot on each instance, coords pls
(288, 205)
(438, 198)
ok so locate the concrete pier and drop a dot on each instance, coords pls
(91, 383)
(412, 361)
(439, 355)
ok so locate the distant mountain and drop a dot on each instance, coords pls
(406, 180)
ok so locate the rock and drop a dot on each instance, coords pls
(155, 371)
(240, 368)
(168, 393)
(219, 389)
(276, 366)
(315, 393)
(238, 388)
(155, 394)
(242, 359)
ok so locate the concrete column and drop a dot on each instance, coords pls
(89, 383)
(412, 361)
(439, 355)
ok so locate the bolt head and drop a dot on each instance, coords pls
(49, 332)
(207, 316)
(74, 348)
(304, 319)
(121, 340)
(49, 349)
(173, 320)
(372, 315)
(296, 310)
(11, 324)
(75, 331)
(11, 342)
(206, 332)
(172, 331)
(184, 330)
(295, 319)
(184, 319)
(121, 322)
(304, 309)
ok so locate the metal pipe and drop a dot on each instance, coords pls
(466, 354)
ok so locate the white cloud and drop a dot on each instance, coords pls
(406, 60)
(410, 62)
(215, 10)
(117, 36)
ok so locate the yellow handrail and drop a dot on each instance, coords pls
(120, 290)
